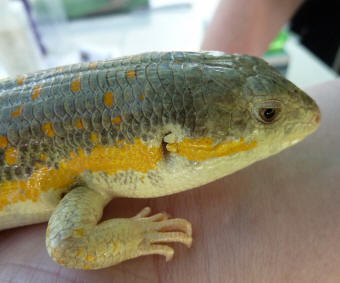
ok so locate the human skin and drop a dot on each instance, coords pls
(247, 26)
(275, 221)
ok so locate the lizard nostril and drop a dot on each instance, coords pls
(317, 118)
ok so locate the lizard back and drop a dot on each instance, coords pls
(147, 125)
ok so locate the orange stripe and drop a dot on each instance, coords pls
(109, 159)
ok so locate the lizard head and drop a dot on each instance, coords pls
(248, 112)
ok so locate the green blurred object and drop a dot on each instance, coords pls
(276, 55)
(278, 43)
(84, 8)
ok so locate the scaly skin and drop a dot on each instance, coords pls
(74, 137)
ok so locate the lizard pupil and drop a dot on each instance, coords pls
(269, 113)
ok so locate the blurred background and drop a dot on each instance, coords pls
(38, 34)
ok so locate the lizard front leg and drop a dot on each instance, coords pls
(75, 240)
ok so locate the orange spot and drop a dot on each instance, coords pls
(94, 137)
(109, 99)
(80, 123)
(103, 158)
(79, 252)
(43, 157)
(203, 148)
(131, 74)
(117, 120)
(3, 142)
(86, 267)
(93, 65)
(75, 85)
(20, 80)
(11, 156)
(36, 92)
(48, 130)
(142, 96)
(79, 232)
(90, 257)
(17, 112)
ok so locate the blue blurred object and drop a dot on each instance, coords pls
(34, 26)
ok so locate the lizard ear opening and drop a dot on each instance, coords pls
(165, 142)
(171, 137)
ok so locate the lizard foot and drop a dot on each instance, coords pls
(159, 229)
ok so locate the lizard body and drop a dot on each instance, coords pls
(142, 126)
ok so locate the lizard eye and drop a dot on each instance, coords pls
(268, 111)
